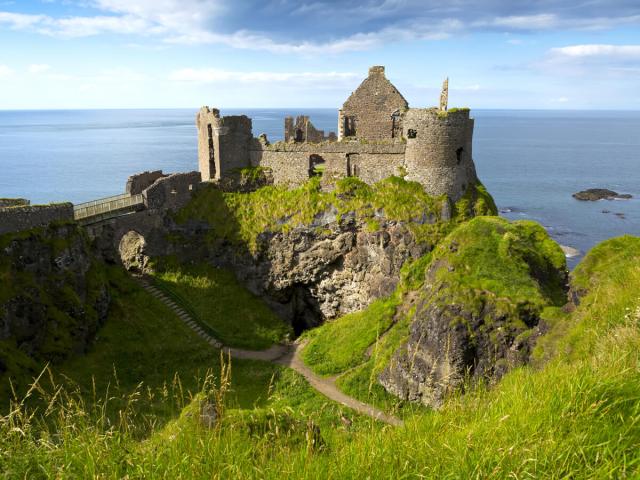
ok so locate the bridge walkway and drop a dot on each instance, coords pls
(106, 208)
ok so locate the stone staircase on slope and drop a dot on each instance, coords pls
(180, 312)
(286, 355)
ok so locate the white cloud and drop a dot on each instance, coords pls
(356, 42)
(598, 50)
(20, 21)
(560, 100)
(549, 21)
(166, 14)
(77, 26)
(212, 75)
(141, 17)
(247, 40)
(5, 71)
(39, 68)
(186, 22)
(190, 22)
(592, 60)
(540, 21)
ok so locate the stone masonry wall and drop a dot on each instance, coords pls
(372, 105)
(140, 181)
(290, 163)
(207, 119)
(232, 141)
(308, 132)
(223, 143)
(439, 150)
(16, 219)
(13, 202)
(172, 192)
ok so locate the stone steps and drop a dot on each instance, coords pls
(183, 315)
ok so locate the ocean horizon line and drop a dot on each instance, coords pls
(89, 109)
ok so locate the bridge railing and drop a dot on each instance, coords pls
(105, 206)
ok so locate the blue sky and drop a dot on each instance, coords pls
(313, 53)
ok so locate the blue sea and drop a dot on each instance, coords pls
(531, 161)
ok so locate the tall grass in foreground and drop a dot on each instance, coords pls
(578, 416)
(577, 419)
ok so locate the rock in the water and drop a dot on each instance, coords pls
(570, 252)
(593, 194)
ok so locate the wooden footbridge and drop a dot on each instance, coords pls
(106, 208)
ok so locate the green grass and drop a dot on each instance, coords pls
(144, 343)
(234, 315)
(341, 344)
(516, 260)
(576, 416)
(514, 267)
(240, 218)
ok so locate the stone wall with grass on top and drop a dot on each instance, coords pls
(379, 136)
(293, 163)
(13, 202)
(16, 219)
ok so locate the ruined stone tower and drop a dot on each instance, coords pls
(438, 153)
(379, 136)
(223, 143)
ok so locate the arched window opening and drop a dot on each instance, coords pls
(316, 165)
(350, 126)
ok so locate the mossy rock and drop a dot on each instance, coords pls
(484, 289)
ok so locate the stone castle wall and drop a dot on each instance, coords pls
(171, 192)
(302, 130)
(207, 120)
(292, 163)
(439, 150)
(140, 181)
(232, 144)
(13, 202)
(16, 219)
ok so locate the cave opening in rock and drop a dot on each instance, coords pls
(305, 310)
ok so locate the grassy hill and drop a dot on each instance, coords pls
(574, 414)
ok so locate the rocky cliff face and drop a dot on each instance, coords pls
(325, 269)
(478, 309)
(53, 296)
(315, 255)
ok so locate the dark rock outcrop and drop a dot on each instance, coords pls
(323, 270)
(469, 327)
(594, 194)
(54, 297)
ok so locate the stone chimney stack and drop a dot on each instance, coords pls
(376, 70)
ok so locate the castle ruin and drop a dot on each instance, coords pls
(378, 136)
